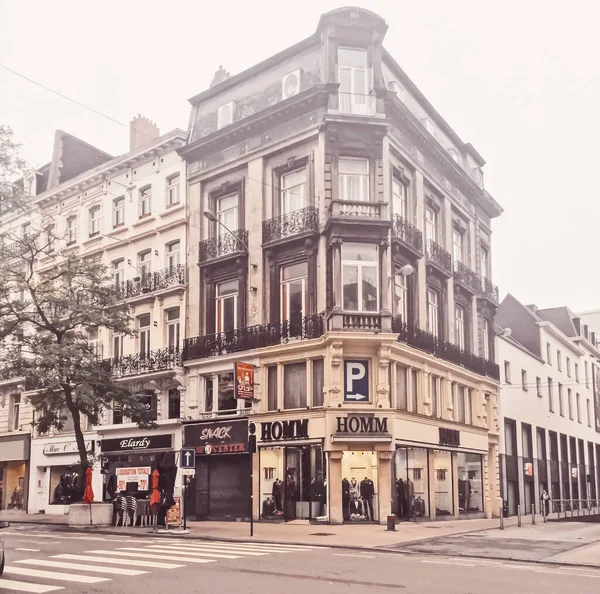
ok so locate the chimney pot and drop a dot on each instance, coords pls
(142, 131)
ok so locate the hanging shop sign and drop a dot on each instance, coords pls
(218, 437)
(244, 380)
(356, 381)
(136, 444)
(449, 437)
(133, 474)
(362, 425)
(67, 447)
(279, 430)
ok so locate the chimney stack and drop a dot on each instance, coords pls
(142, 131)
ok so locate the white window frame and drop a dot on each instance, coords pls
(145, 202)
(431, 224)
(284, 294)
(399, 198)
(94, 342)
(72, 229)
(433, 313)
(173, 188)
(484, 263)
(144, 264)
(486, 339)
(428, 125)
(15, 412)
(118, 270)
(458, 245)
(118, 212)
(345, 177)
(221, 121)
(358, 100)
(219, 309)
(144, 335)
(95, 218)
(223, 213)
(293, 197)
(360, 265)
(400, 297)
(173, 255)
(117, 346)
(460, 314)
(173, 329)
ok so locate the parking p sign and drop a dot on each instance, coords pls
(356, 381)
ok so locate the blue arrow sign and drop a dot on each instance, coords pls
(187, 458)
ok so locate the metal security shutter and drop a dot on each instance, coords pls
(228, 486)
(200, 487)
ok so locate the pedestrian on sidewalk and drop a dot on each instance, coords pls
(546, 501)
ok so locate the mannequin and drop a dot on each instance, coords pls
(356, 506)
(278, 492)
(464, 494)
(367, 492)
(290, 495)
(317, 495)
(345, 499)
(401, 511)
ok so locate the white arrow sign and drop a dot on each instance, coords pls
(188, 455)
(356, 397)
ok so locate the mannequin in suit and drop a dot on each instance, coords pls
(317, 495)
(346, 499)
(290, 495)
(401, 498)
(277, 493)
(367, 492)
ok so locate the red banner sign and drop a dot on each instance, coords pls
(244, 381)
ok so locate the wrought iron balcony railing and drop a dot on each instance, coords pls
(464, 275)
(439, 257)
(452, 353)
(13, 250)
(251, 337)
(407, 233)
(153, 281)
(227, 244)
(489, 290)
(293, 223)
(143, 363)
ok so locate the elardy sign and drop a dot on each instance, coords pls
(217, 437)
(67, 447)
(136, 444)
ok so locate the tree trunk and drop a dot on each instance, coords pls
(74, 412)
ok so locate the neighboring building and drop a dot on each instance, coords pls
(343, 235)
(550, 438)
(130, 212)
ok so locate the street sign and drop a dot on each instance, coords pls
(356, 381)
(188, 472)
(187, 459)
(244, 380)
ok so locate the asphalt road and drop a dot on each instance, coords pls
(57, 561)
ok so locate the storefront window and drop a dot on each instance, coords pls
(359, 486)
(470, 483)
(411, 489)
(66, 485)
(442, 483)
(293, 483)
(294, 386)
(12, 485)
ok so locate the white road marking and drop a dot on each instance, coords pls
(29, 550)
(26, 587)
(209, 550)
(459, 564)
(569, 573)
(55, 575)
(166, 556)
(81, 567)
(108, 560)
(182, 551)
(357, 556)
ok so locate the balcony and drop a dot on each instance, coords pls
(439, 258)
(356, 104)
(222, 246)
(299, 222)
(251, 337)
(488, 290)
(408, 235)
(354, 209)
(13, 250)
(464, 276)
(153, 281)
(143, 363)
(429, 343)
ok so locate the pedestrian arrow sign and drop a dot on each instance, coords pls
(187, 458)
(356, 381)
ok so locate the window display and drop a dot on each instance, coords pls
(442, 482)
(470, 483)
(411, 485)
(293, 483)
(66, 485)
(359, 486)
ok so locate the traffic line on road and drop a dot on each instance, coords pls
(208, 550)
(54, 575)
(235, 547)
(29, 550)
(167, 556)
(81, 567)
(457, 563)
(174, 550)
(15, 586)
(154, 564)
(356, 556)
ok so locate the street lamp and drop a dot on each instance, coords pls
(211, 216)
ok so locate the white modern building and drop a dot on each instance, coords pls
(550, 422)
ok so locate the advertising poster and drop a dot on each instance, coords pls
(135, 474)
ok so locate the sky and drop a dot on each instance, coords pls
(518, 79)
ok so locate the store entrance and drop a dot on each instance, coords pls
(359, 487)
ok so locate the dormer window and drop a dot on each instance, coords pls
(454, 154)
(225, 115)
(428, 126)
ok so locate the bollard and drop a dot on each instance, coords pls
(533, 513)
(518, 516)
(544, 514)
(502, 517)
(391, 523)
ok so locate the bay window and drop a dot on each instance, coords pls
(433, 317)
(460, 327)
(353, 74)
(226, 305)
(293, 283)
(354, 179)
(293, 191)
(399, 200)
(360, 277)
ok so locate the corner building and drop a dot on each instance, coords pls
(343, 235)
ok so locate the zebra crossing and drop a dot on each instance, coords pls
(128, 559)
